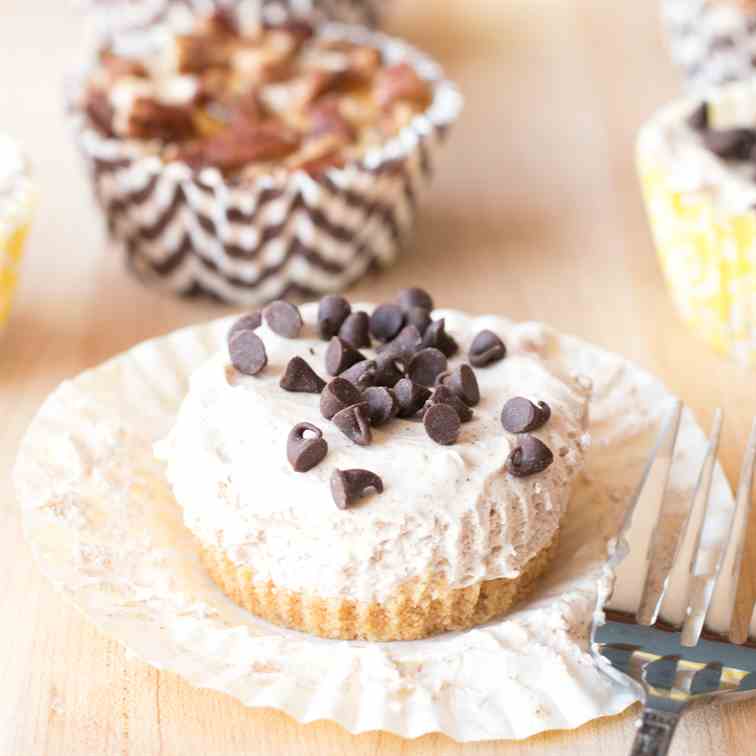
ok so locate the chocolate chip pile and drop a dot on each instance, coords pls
(409, 378)
(243, 99)
(737, 144)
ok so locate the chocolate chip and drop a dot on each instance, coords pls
(382, 404)
(354, 423)
(299, 377)
(361, 374)
(486, 349)
(730, 144)
(404, 345)
(355, 330)
(444, 395)
(283, 318)
(388, 371)
(304, 453)
(414, 297)
(418, 317)
(436, 336)
(338, 395)
(249, 322)
(340, 356)
(332, 312)
(349, 485)
(442, 424)
(247, 353)
(698, 120)
(520, 415)
(529, 457)
(410, 396)
(426, 365)
(386, 321)
(464, 384)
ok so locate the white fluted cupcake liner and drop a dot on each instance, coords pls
(288, 234)
(106, 530)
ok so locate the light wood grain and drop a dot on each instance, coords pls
(535, 214)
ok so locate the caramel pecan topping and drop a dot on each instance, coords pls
(150, 119)
(99, 111)
(400, 82)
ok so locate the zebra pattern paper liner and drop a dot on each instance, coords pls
(292, 234)
(712, 41)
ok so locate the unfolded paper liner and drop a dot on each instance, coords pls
(713, 41)
(289, 234)
(105, 529)
(16, 209)
(707, 252)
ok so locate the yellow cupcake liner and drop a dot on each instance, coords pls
(708, 256)
(16, 205)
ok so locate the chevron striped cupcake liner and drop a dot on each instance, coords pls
(282, 235)
(713, 41)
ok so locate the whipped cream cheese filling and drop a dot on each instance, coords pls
(451, 511)
(688, 164)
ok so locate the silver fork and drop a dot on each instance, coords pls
(678, 648)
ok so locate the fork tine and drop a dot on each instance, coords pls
(719, 617)
(636, 537)
(681, 599)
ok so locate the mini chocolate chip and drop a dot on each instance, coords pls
(410, 396)
(388, 372)
(386, 321)
(730, 144)
(464, 384)
(332, 312)
(382, 404)
(361, 374)
(301, 378)
(249, 322)
(349, 485)
(414, 297)
(436, 336)
(444, 395)
(698, 120)
(354, 423)
(304, 453)
(283, 318)
(338, 395)
(247, 353)
(355, 330)
(340, 356)
(403, 345)
(442, 424)
(419, 317)
(520, 415)
(529, 457)
(486, 349)
(426, 366)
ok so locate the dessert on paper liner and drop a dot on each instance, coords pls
(107, 531)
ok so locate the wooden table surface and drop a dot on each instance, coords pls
(535, 214)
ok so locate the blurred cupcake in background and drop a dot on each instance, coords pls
(16, 203)
(251, 160)
(697, 162)
(713, 41)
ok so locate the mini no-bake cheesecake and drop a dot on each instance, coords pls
(697, 161)
(251, 162)
(378, 473)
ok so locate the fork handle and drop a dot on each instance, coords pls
(655, 730)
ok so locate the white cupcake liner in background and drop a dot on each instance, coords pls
(106, 531)
(713, 41)
(281, 235)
